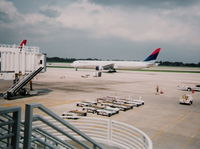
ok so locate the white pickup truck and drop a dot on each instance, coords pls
(196, 88)
(190, 88)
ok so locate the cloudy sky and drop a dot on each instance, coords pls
(105, 29)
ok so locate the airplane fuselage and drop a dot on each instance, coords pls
(116, 64)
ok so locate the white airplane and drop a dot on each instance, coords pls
(112, 66)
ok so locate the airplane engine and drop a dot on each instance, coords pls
(97, 68)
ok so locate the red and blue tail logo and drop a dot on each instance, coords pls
(153, 55)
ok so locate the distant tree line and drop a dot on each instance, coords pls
(161, 63)
(167, 63)
(58, 59)
(68, 60)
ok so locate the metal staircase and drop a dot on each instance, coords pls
(18, 86)
(15, 134)
(10, 127)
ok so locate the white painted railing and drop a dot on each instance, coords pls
(110, 132)
(16, 47)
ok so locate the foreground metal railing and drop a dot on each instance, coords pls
(10, 127)
(49, 131)
(106, 131)
(41, 137)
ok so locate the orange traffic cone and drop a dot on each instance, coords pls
(192, 91)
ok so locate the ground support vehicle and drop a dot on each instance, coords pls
(121, 107)
(90, 109)
(113, 109)
(129, 103)
(196, 88)
(105, 112)
(130, 100)
(129, 106)
(189, 88)
(138, 101)
(106, 99)
(85, 104)
(70, 115)
(137, 104)
(79, 113)
(186, 99)
(98, 107)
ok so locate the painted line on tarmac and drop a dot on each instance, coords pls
(163, 129)
(189, 141)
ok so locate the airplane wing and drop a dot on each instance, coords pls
(105, 67)
(109, 66)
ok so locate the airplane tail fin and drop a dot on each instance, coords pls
(23, 43)
(153, 55)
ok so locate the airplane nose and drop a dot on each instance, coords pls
(74, 64)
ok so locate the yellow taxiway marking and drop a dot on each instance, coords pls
(44, 101)
(168, 125)
(189, 141)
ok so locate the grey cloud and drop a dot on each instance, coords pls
(65, 42)
(50, 13)
(4, 17)
(56, 40)
(30, 6)
(95, 12)
(81, 45)
(10, 35)
(147, 3)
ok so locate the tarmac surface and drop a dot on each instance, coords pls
(169, 124)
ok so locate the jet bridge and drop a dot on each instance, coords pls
(19, 60)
